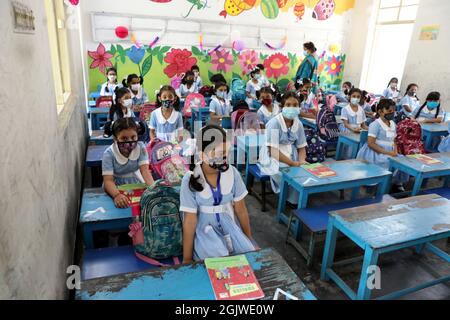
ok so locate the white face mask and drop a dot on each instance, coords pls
(135, 87)
(355, 101)
(127, 103)
(112, 78)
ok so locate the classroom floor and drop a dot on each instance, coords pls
(399, 270)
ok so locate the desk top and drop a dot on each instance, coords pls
(95, 154)
(92, 203)
(191, 282)
(397, 221)
(356, 137)
(435, 127)
(421, 167)
(349, 170)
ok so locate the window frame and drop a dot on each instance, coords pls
(399, 7)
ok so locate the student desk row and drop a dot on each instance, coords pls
(355, 141)
(351, 174)
(387, 227)
(97, 139)
(94, 158)
(98, 117)
(431, 131)
(422, 171)
(191, 282)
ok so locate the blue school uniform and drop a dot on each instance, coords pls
(412, 102)
(111, 89)
(444, 146)
(426, 114)
(199, 83)
(288, 141)
(263, 81)
(139, 98)
(341, 97)
(124, 170)
(307, 105)
(388, 93)
(220, 108)
(355, 120)
(385, 138)
(216, 219)
(166, 129)
(265, 116)
(128, 114)
(184, 91)
(252, 88)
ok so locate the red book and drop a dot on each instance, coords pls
(319, 170)
(134, 193)
(232, 278)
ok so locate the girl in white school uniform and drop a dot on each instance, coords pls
(410, 101)
(430, 112)
(165, 122)
(253, 86)
(109, 87)
(188, 85)
(122, 106)
(220, 105)
(215, 218)
(138, 95)
(197, 79)
(392, 92)
(285, 143)
(125, 161)
(269, 108)
(381, 141)
(444, 146)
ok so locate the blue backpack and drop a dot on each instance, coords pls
(238, 92)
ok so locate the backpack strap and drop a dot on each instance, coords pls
(153, 262)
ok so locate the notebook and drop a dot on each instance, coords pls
(424, 159)
(319, 170)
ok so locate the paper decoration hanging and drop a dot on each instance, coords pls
(279, 47)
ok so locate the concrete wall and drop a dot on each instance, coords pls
(428, 64)
(41, 163)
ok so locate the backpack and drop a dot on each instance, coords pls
(236, 116)
(331, 101)
(146, 111)
(161, 223)
(193, 100)
(104, 102)
(316, 150)
(175, 82)
(238, 91)
(248, 123)
(206, 91)
(409, 138)
(327, 125)
(165, 163)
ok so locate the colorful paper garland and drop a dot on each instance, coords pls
(279, 47)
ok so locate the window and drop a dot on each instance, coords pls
(57, 36)
(397, 11)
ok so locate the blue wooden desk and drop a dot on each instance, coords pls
(388, 227)
(199, 114)
(422, 171)
(191, 282)
(352, 140)
(351, 174)
(248, 150)
(94, 95)
(98, 212)
(94, 157)
(431, 131)
(97, 139)
(98, 117)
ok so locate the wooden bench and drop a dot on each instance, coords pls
(316, 221)
(443, 192)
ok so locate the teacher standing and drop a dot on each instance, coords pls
(308, 68)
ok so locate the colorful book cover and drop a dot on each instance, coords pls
(424, 159)
(319, 170)
(232, 278)
(134, 193)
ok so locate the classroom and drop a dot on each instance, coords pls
(225, 150)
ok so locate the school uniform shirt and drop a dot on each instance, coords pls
(124, 170)
(427, 114)
(444, 146)
(111, 89)
(265, 115)
(252, 88)
(341, 97)
(385, 138)
(287, 141)
(412, 102)
(220, 108)
(166, 129)
(355, 119)
(199, 83)
(263, 81)
(214, 223)
(308, 103)
(128, 114)
(184, 91)
(139, 98)
(388, 93)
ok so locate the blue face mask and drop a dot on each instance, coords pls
(432, 104)
(291, 112)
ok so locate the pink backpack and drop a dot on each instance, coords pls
(146, 111)
(331, 101)
(175, 82)
(193, 100)
(165, 162)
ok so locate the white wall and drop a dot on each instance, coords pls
(428, 63)
(41, 163)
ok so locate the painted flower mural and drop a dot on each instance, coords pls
(248, 60)
(136, 55)
(276, 65)
(179, 61)
(333, 66)
(101, 58)
(222, 60)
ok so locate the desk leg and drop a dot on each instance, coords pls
(330, 247)
(355, 193)
(339, 148)
(355, 150)
(417, 185)
(382, 188)
(370, 259)
(88, 236)
(429, 142)
(282, 199)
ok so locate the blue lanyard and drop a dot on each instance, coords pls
(217, 195)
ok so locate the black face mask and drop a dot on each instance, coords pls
(219, 164)
(346, 91)
(389, 116)
(189, 82)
